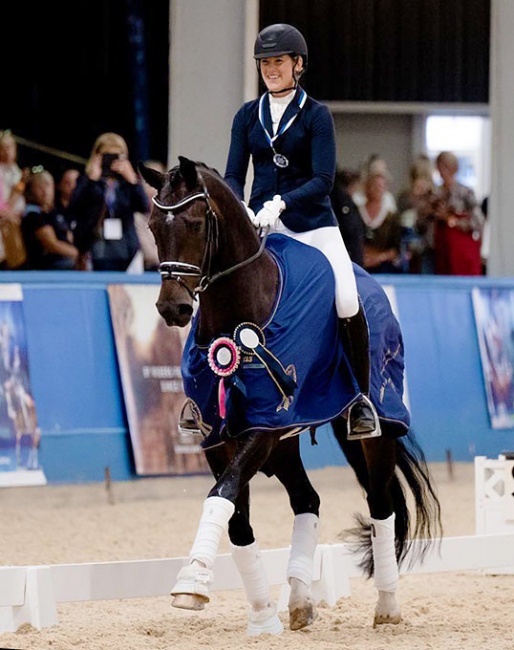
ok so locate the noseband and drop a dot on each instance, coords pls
(179, 270)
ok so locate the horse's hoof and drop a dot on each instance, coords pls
(387, 610)
(264, 621)
(189, 601)
(191, 591)
(384, 619)
(302, 614)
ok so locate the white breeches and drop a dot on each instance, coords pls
(328, 240)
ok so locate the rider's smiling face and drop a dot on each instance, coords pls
(277, 72)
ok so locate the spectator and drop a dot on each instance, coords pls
(64, 190)
(375, 164)
(457, 222)
(346, 183)
(382, 227)
(413, 199)
(48, 238)
(146, 239)
(12, 253)
(486, 235)
(103, 205)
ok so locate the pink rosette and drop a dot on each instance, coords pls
(223, 356)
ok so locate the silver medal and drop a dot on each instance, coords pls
(280, 160)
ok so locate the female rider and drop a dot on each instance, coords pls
(291, 140)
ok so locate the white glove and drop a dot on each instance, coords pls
(269, 214)
(250, 213)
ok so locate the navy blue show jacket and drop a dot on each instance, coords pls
(308, 144)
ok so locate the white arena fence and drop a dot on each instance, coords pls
(29, 594)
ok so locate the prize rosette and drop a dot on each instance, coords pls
(249, 337)
(251, 340)
(223, 356)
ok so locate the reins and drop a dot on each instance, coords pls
(178, 270)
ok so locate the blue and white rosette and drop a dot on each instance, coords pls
(250, 338)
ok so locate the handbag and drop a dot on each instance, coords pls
(463, 252)
(457, 250)
(14, 246)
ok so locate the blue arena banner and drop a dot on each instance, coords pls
(19, 431)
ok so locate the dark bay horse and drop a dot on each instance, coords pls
(248, 399)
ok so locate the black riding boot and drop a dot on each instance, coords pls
(362, 417)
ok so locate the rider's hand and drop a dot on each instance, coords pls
(269, 214)
(250, 213)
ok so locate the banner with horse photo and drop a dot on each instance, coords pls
(494, 317)
(19, 430)
(149, 355)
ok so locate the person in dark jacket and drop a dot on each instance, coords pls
(347, 213)
(291, 140)
(46, 233)
(103, 205)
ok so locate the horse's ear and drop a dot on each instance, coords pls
(188, 172)
(153, 177)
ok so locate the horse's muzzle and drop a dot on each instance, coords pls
(175, 314)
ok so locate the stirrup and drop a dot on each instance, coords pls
(188, 425)
(375, 432)
(187, 422)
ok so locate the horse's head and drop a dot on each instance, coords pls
(190, 203)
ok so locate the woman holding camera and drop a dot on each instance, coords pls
(103, 205)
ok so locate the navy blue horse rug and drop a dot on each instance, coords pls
(291, 373)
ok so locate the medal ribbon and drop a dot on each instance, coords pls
(271, 139)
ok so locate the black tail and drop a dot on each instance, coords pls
(411, 466)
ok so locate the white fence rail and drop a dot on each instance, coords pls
(30, 594)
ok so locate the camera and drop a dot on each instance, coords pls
(107, 160)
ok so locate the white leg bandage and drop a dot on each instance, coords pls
(213, 523)
(248, 560)
(303, 546)
(384, 556)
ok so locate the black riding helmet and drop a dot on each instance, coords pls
(279, 39)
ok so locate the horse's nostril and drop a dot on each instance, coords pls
(185, 310)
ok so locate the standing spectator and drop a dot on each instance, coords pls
(48, 238)
(346, 183)
(486, 235)
(12, 254)
(457, 221)
(383, 231)
(375, 164)
(103, 204)
(146, 239)
(417, 249)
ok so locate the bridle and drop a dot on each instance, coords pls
(179, 270)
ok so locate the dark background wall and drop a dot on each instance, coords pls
(392, 50)
(73, 70)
